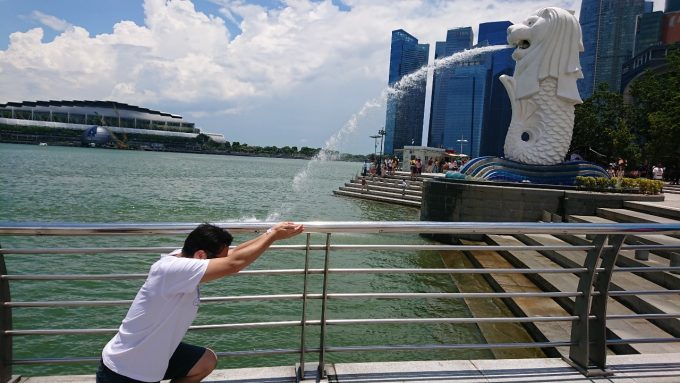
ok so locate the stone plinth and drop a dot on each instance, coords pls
(451, 200)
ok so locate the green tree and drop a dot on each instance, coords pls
(309, 152)
(657, 102)
(603, 131)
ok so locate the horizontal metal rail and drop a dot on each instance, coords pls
(324, 245)
(473, 346)
(371, 321)
(312, 296)
(156, 250)
(579, 270)
(18, 228)
(347, 296)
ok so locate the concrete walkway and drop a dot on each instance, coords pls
(654, 368)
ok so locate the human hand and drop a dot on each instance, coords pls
(283, 230)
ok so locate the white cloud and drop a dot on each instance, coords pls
(304, 67)
(53, 22)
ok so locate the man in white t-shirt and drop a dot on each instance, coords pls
(657, 172)
(148, 346)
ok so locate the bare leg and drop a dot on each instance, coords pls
(201, 369)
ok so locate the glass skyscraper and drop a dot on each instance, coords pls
(443, 108)
(672, 6)
(608, 37)
(470, 110)
(497, 112)
(648, 31)
(405, 113)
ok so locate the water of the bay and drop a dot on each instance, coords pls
(76, 185)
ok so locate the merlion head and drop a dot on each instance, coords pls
(547, 45)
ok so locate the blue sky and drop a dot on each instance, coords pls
(293, 72)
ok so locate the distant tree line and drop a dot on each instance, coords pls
(644, 132)
(201, 144)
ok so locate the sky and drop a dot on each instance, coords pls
(262, 72)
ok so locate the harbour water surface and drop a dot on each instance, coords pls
(77, 185)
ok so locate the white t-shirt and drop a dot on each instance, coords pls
(657, 172)
(158, 318)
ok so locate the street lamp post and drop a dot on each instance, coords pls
(381, 132)
(462, 140)
(375, 144)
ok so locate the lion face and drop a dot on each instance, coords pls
(527, 35)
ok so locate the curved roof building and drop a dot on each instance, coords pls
(81, 115)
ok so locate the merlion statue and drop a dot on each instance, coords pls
(543, 89)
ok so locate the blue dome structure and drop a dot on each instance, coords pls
(97, 135)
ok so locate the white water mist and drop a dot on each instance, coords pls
(415, 79)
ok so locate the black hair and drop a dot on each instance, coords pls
(206, 237)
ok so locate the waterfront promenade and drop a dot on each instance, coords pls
(654, 365)
(649, 368)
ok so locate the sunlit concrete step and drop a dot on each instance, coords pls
(385, 186)
(673, 189)
(482, 308)
(383, 193)
(529, 307)
(368, 196)
(654, 209)
(621, 329)
(627, 259)
(632, 216)
(642, 239)
(621, 281)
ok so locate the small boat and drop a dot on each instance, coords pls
(42, 144)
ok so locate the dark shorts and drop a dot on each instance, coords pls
(181, 362)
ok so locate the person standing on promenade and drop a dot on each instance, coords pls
(148, 346)
(657, 172)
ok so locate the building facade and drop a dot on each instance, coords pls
(470, 110)
(648, 30)
(405, 110)
(82, 115)
(672, 6)
(608, 28)
(498, 110)
(441, 133)
(656, 33)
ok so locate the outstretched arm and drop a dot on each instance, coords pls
(246, 253)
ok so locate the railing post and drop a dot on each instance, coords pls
(324, 301)
(589, 353)
(579, 352)
(598, 339)
(5, 325)
(301, 367)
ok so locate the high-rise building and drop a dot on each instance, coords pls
(656, 34)
(442, 108)
(649, 6)
(498, 111)
(671, 27)
(608, 38)
(405, 112)
(470, 110)
(648, 30)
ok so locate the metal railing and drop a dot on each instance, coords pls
(587, 344)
